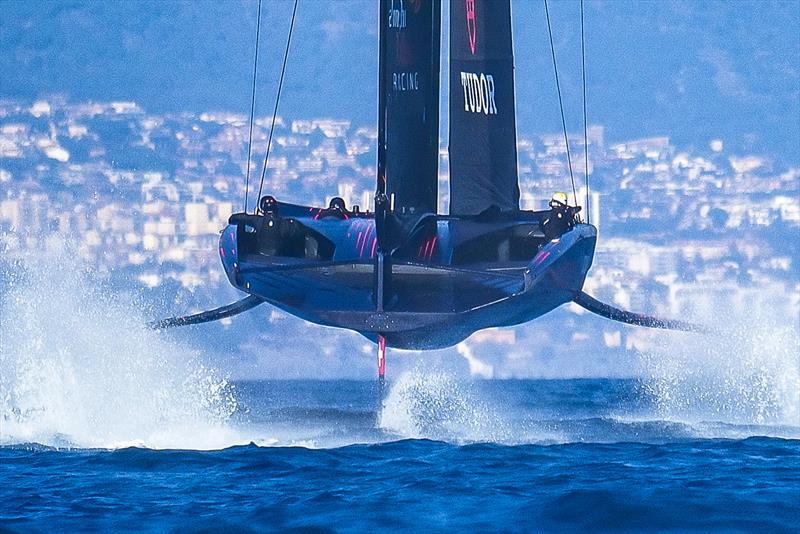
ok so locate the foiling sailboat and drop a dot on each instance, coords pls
(403, 275)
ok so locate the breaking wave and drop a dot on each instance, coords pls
(432, 404)
(747, 373)
(79, 368)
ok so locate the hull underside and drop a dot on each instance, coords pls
(429, 304)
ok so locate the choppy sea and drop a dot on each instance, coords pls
(107, 426)
(440, 455)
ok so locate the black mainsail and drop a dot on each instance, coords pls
(483, 144)
(408, 129)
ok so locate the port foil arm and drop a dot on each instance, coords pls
(615, 314)
(216, 314)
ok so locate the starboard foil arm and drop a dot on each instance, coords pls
(216, 314)
(615, 314)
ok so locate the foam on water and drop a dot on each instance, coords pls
(79, 368)
(747, 374)
(433, 404)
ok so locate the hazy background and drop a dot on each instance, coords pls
(692, 70)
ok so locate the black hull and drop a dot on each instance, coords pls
(436, 298)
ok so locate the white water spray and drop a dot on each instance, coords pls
(432, 404)
(748, 374)
(79, 368)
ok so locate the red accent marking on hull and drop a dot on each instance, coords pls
(364, 242)
(543, 255)
(381, 356)
(433, 247)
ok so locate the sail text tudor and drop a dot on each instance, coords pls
(478, 93)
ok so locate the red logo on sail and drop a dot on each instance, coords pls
(472, 25)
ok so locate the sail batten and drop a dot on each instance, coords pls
(482, 143)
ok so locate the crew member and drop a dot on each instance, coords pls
(277, 236)
(268, 205)
(336, 208)
(561, 217)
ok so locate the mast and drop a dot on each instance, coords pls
(408, 104)
(381, 178)
(408, 126)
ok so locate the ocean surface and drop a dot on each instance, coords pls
(108, 426)
(438, 454)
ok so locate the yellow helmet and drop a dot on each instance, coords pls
(559, 198)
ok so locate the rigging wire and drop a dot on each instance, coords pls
(560, 103)
(277, 101)
(585, 127)
(252, 109)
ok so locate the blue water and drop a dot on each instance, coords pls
(439, 455)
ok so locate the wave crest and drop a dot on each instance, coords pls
(78, 367)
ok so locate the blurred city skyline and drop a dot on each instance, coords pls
(142, 197)
(133, 142)
(693, 71)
